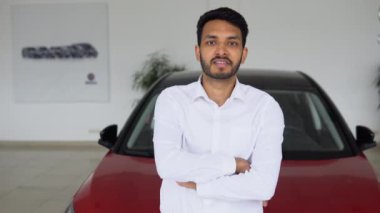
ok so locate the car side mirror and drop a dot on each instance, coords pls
(108, 136)
(365, 137)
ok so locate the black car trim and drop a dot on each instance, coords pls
(121, 148)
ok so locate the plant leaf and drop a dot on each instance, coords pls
(156, 66)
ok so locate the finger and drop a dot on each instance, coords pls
(184, 184)
(265, 203)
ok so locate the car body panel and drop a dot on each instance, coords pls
(337, 185)
(131, 184)
(120, 183)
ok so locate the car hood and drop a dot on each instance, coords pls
(340, 185)
(131, 184)
(120, 183)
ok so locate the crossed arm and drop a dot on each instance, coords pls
(216, 175)
(192, 185)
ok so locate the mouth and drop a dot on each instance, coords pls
(221, 62)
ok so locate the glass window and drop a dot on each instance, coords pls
(308, 125)
(141, 137)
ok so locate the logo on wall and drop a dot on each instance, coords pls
(76, 51)
(91, 78)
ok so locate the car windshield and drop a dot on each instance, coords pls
(309, 128)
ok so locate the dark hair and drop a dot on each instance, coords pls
(225, 14)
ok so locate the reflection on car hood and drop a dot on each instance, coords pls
(339, 185)
(130, 184)
(121, 184)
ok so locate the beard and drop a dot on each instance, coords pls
(221, 76)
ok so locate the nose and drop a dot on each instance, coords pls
(221, 50)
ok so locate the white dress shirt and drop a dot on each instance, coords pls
(197, 140)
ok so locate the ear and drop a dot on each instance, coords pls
(197, 53)
(244, 55)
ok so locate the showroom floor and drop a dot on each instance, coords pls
(43, 177)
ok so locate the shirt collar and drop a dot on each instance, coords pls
(238, 92)
(199, 92)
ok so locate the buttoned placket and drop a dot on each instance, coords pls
(215, 128)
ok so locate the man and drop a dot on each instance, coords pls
(217, 142)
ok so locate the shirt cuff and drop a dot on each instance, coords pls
(203, 189)
(229, 165)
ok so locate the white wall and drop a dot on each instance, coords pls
(333, 41)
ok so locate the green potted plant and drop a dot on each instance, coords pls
(156, 66)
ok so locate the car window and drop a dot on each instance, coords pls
(308, 125)
(141, 137)
(309, 128)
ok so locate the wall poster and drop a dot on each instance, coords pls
(60, 52)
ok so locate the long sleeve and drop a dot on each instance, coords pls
(172, 161)
(260, 182)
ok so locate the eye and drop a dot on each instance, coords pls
(233, 43)
(210, 43)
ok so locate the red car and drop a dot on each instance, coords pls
(323, 168)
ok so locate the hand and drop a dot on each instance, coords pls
(242, 165)
(265, 203)
(189, 185)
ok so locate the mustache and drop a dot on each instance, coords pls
(221, 58)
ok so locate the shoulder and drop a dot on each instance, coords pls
(260, 99)
(256, 95)
(268, 108)
(178, 93)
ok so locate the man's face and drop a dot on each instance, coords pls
(221, 49)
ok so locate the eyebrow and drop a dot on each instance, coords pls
(229, 37)
(210, 37)
(234, 37)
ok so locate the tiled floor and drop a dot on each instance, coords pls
(42, 178)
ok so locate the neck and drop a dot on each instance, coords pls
(218, 90)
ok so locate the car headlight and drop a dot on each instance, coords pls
(70, 208)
